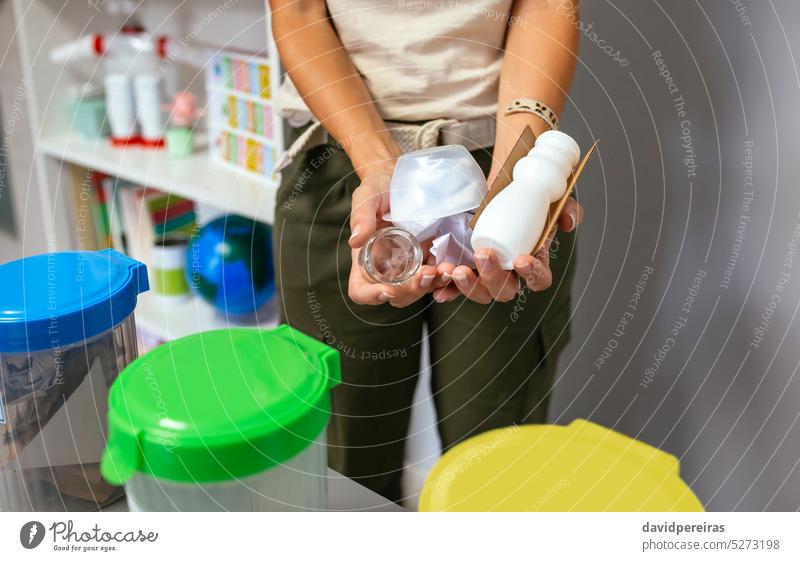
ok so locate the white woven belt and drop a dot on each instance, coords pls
(473, 135)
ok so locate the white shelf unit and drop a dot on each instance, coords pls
(194, 177)
(44, 24)
(169, 321)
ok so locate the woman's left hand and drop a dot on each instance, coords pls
(495, 284)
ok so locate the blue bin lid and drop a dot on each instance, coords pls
(55, 299)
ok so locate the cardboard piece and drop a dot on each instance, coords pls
(523, 145)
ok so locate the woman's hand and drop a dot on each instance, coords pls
(495, 284)
(370, 203)
(362, 291)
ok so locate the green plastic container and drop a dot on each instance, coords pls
(224, 420)
(180, 142)
(89, 116)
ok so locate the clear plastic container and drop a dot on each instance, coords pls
(298, 484)
(228, 420)
(66, 332)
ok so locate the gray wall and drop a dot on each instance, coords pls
(722, 397)
(21, 231)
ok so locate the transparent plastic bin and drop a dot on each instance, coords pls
(299, 484)
(66, 331)
(54, 405)
(226, 420)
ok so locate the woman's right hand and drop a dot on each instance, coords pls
(370, 203)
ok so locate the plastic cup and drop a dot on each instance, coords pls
(180, 142)
(435, 183)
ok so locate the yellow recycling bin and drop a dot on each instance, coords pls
(580, 467)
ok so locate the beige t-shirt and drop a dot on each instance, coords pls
(421, 60)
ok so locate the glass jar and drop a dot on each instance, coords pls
(391, 256)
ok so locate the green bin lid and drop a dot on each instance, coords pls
(219, 405)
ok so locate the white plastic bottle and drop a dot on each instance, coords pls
(513, 221)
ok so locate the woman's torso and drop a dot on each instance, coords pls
(421, 60)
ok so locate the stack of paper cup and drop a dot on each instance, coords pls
(119, 106)
(148, 107)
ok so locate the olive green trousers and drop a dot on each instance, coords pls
(492, 365)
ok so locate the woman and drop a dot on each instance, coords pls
(370, 80)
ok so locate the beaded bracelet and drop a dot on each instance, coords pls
(528, 105)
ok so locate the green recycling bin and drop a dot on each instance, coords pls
(230, 420)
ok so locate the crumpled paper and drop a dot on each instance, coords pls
(450, 237)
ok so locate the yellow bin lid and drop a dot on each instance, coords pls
(580, 467)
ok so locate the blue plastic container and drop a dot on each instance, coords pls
(66, 331)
